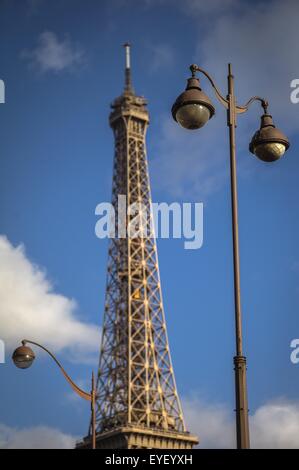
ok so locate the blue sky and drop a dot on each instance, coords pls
(62, 64)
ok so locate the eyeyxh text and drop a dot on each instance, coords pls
(2, 92)
(169, 459)
(160, 220)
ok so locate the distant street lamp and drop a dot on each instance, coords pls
(23, 357)
(192, 110)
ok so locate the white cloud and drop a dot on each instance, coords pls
(53, 55)
(210, 7)
(40, 437)
(260, 42)
(161, 57)
(274, 425)
(295, 266)
(188, 164)
(212, 423)
(29, 308)
(34, 5)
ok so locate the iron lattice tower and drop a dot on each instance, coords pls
(137, 401)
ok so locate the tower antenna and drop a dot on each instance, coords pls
(128, 78)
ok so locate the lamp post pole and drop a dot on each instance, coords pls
(192, 110)
(23, 358)
(242, 422)
(93, 412)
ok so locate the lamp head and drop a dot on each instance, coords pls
(192, 108)
(268, 143)
(23, 357)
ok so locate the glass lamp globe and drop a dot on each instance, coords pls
(268, 143)
(192, 108)
(193, 116)
(23, 357)
(269, 152)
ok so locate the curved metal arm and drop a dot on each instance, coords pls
(243, 109)
(225, 102)
(194, 68)
(81, 393)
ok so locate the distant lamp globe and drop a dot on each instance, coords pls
(268, 143)
(192, 109)
(23, 357)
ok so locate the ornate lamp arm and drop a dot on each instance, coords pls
(225, 102)
(243, 109)
(194, 68)
(81, 393)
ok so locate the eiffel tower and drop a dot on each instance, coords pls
(137, 402)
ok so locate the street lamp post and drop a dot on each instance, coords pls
(192, 110)
(23, 357)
